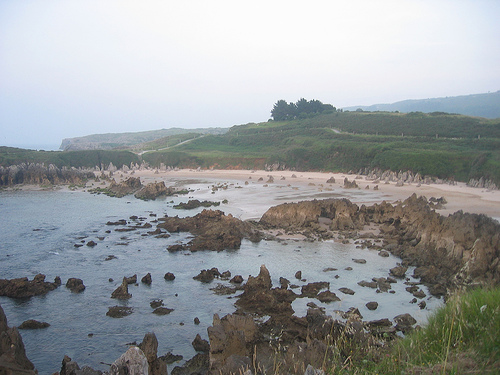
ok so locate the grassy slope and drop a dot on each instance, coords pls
(88, 159)
(441, 145)
(462, 337)
(367, 140)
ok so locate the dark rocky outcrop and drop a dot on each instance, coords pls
(149, 346)
(199, 364)
(461, 249)
(24, 288)
(133, 361)
(155, 190)
(169, 276)
(147, 279)
(33, 324)
(13, 358)
(126, 187)
(200, 345)
(258, 296)
(213, 230)
(119, 311)
(162, 311)
(195, 203)
(122, 291)
(75, 285)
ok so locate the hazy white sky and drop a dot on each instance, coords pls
(72, 67)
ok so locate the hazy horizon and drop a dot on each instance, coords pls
(70, 69)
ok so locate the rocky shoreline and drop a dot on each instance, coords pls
(461, 250)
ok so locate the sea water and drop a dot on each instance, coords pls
(39, 231)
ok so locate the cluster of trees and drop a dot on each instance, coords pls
(303, 108)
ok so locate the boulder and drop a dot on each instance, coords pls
(131, 279)
(147, 279)
(162, 311)
(154, 190)
(200, 345)
(169, 276)
(132, 362)
(372, 305)
(75, 285)
(238, 279)
(199, 364)
(347, 291)
(259, 298)
(149, 346)
(24, 288)
(126, 187)
(327, 296)
(119, 311)
(404, 322)
(33, 324)
(312, 289)
(213, 230)
(229, 336)
(398, 271)
(122, 291)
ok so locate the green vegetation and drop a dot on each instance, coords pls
(86, 159)
(164, 142)
(441, 145)
(301, 109)
(344, 141)
(462, 337)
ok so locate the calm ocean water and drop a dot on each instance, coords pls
(40, 228)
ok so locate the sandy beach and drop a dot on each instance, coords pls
(458, 196)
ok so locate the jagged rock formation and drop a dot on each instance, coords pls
(126, 187)
(461, 249)
(154, 190)
(482, 183)
(122, 291)
(401, 177)
(13, 358)
(41, 174)
(24, 288)
(213, 230)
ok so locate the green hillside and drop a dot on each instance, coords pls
(437, 144)
(77, 159)
(442, 145)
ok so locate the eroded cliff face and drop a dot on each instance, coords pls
(458, 250)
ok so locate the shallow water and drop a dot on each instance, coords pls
(39, 231)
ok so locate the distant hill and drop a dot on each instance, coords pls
(111, 141)
(480, 105)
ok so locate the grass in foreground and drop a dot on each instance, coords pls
(463, 337)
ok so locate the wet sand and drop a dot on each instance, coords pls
(459, 196)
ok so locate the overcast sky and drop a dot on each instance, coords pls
(76, 67)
